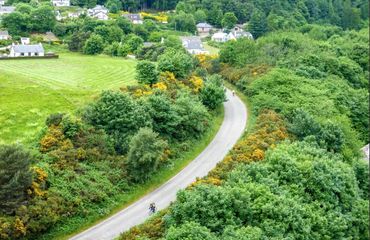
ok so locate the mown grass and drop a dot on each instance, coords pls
(212, 50)
(32, 89)
(73, 225)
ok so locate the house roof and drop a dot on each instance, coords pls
(132, 16)
(4, 33)
(204, 25)
(192, 43)
(37, 48)
(219, 35)
(99, 8)
(7, 8)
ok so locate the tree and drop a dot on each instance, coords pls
(214, 16)
(146, 73)
(94, 45)
(183, 22)
(16, 23)
(15, 177)
(134, 43)
(229, 20)
(114, 5)
(200, 16)
(177, 62)
(119, 115)
(258, 24)
(189, 230)
(43, 19)
(146, 151)
(213, 92)
(78, 40)
(124, 24)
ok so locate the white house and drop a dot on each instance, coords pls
(58, 16)
(61, 3)
(204, 28)
(193, 45)
(134, 18)
(75, 14)
(26, 50)
(4, 35)
(220, 37)
(25, 40)
(99, 12)
(6, 9)
(2, 2)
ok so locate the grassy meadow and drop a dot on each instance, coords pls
(32, 89)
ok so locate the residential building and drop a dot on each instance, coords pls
(98, 12)
(6, 9)
(193, 45)
(58, 16)
(2, 2)
(220, 37)
(25, 40)
(75, 14)
(26, 50)
(4, 35)
(61, 3)
(134, 18)
(204, 28)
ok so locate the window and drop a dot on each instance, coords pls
(36, 54)
(22, 54)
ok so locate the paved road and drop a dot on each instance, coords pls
(232, 127)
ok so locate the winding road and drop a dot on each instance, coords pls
(232, 128)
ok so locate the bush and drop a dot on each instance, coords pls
(144, 156)
(94, 45)
(213, 92)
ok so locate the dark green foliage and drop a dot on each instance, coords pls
(54, 119)
(119, 115)
(146, 73)
(144, 156)
(183, 22)
(213, 92)
(229, 20)
(177, 62)
(15, 177)
(257, 25)
(164, 115)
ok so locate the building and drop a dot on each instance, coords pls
(2, 2)
(75, 14)
(366, 153)
(233, 35)
(204, 28)
(98, 12)
(193, 45)
(61, 3)
(4, 35)
(25, 40)
(58, 16)
(220, 37)
(6, 9)
(26, 50)
(134, 18)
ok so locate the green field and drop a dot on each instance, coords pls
(32, 89)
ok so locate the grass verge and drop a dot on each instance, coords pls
(74, 225)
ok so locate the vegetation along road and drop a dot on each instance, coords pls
(232, 128)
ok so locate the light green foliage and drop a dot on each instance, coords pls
(15, 177)
(213, 92)
(279, 194)
(42, 19)
(200, 16)
(144, 156)
(33, 89)
(189, 231)
(229, 20)
(146, 73)
(177, 62)
(94, 45)
(239, 52)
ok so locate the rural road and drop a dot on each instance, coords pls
(232, 128)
